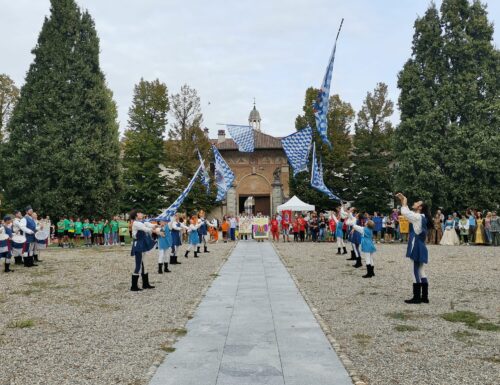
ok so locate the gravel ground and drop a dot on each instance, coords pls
(72, 320)
(391, 342)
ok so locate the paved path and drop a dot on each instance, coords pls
(253, 327)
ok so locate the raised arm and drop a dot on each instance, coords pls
(359, 229)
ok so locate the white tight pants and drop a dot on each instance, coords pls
(368, 258)
(175, 249)
(191, 246)
(162, 253)
(340, 242)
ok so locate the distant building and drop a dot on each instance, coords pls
(262, 174)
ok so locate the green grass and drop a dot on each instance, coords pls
(405, 328)
(464, 336)
(400, 316)
(26, 292)
(21, 324)
(494, 359)
(471, 319)
(467, 317)
(485, 326)
(363, 339)
(167, 348)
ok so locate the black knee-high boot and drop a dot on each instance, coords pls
(18, 260)
(425, 292)
(368, 271)
(338, 251)
(196, 253)
(345, 250)
(7, 268)
(187, 253)
(145, 281)
(135, 280)
(172, 261)
(416, 294)
(358, 263)
(205, 249)
(160, 268)
(166, 267)
(198, 249)
(353, 256)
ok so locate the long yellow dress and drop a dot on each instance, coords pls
(479, 232)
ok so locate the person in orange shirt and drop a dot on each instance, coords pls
(302, 227)
(225, 228)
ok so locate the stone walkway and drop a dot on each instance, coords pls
(253, 327)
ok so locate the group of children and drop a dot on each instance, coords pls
(71, 232)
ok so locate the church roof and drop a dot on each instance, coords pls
(262, 141)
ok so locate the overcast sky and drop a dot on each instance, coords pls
(233, 51)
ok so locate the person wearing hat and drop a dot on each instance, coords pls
(141, 243)
(5, 242)
(28, 227)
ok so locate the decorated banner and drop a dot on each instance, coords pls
(297, 147)
(243, 136)
(168, 213)
(224, 177)
(205, 178)
(260, 227)
(321, 104)
(286, 216)
(317, 181)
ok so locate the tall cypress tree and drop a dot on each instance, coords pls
(336, 163)
(144, 150)
(372, 156)
(63, 144)
(448, 139)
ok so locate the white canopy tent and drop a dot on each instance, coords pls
(295, 204)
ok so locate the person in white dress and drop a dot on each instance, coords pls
(450, 237)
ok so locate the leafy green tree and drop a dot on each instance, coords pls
(448, 142)
(144, 150)
(9, 95)
(372, 154)
(63, 146)
(336, 163)
(185, 137)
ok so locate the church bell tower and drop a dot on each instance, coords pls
(254, 118)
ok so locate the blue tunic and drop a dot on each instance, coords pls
(356, 236)
(194, 238)
(338, 229)
(176, 235)
(417, 251)
(378, 223)
(30, 224)
(142, 243)
(203, 229)
(165, 242)
(367, 245)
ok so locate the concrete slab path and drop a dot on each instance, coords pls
(252, 328)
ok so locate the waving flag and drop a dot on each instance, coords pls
(317, 177)
(321, 105)
(175, 206)
(243, 136)
(297, 148)
(204, 177)
(224, 177)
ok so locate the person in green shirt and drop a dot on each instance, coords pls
(95, 233)
(78, 231)
(60, 232)
(100, 228)
(123, 231)
(114, 230)
(87, 232)
(106, 230)
(66, 231)
(71, 232)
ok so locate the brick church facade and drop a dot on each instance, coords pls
(262, 174)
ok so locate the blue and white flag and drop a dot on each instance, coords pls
(317, 181)
(321, 104)
(224, 177)
(297, 147)
(204, 177)
(168, 213)
(243, 136)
